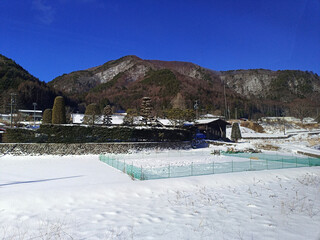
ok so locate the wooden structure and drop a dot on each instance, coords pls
(212, 128)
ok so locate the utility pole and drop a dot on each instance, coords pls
(34, 114)
(195, 106)
(225, 101)
(12, 103)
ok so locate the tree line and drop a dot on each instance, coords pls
(93, 114)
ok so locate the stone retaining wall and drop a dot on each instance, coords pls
(85, 148)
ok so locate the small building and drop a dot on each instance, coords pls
(27, 115)
(214, 128)
(7, 117)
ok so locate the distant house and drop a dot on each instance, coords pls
(23, 116)
(6, 117)
(30, 114)
(214, 128)
(164, 122)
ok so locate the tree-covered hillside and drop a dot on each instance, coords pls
(23, 88)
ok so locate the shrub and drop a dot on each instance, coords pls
(128, 120)
(59, 111)
(47, 116)
(17, 135)
(91, 114)
(107, 115)
(235, 132)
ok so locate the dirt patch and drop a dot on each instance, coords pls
(308, 126)
(314, 142)
(253, 125)
(268, 147)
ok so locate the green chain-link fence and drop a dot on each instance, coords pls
(255, 162)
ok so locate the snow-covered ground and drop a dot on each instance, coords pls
(79, 197)
(303, 140)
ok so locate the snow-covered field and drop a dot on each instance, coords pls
(79, 197)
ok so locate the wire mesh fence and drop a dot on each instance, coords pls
(255, 162)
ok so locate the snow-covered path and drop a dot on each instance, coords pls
(78, 197)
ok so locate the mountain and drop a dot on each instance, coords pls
(125, 81)
(249, 93)
(277, 93)
(25, 88)
(284, 85)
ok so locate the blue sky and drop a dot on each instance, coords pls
(52, 37)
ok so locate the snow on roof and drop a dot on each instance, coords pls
(210, 116)
(206, 121)
(29, 111)
(165, 122)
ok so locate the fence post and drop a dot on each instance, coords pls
(192, 169)
(141, 173)
(169, 171)
(212, 167)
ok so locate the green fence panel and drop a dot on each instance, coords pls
(256, 162)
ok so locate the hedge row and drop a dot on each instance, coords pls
(83, 134)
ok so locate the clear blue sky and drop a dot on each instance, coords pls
(52, 37)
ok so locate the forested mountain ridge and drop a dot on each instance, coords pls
(171, 84)
(256, 92)
(125, 81)
(24, 88)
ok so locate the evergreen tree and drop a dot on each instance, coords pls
(235, 132)
(129, 118)
(178, 116)
(59, 111)
(47, 116)
(107, 115)
(91, 114)
(146, 110)
(175, 115)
